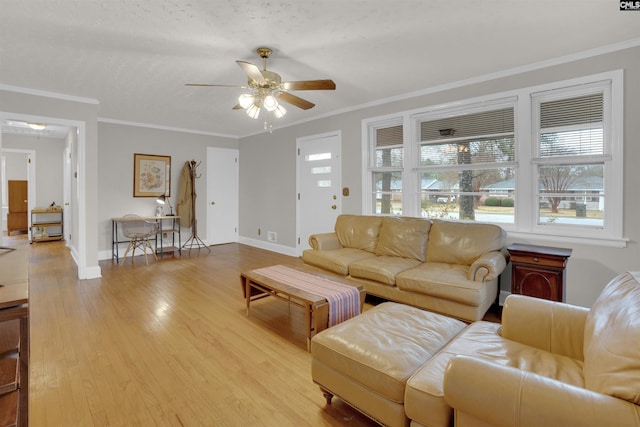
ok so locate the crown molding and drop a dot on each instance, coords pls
(160, 127)
(44, 93)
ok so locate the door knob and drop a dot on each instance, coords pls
(334, 207)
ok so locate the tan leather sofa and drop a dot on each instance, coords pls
(448, 267)
(549, 364)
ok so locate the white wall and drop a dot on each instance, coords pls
(118, 143)
(48, 165)
(267, 169)
(16, 164)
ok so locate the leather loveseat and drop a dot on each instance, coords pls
(449, 267)
(548, 364)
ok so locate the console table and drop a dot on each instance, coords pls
(169, 224)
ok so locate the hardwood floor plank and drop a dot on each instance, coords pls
(168, 344)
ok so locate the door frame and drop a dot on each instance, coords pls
(79, 252)
(302, 139)
(31, 180)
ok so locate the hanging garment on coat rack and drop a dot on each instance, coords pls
(185, 192)
(194, 241)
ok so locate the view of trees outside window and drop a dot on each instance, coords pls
(389, 163)
(571, 176)
(467, 165)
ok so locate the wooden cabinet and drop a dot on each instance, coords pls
(538, 271)
(46, 224)
(14, 338)
(18, 201)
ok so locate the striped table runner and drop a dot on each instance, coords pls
(344, 300)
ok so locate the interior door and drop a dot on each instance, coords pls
(319, 169)
(222, 195)
(18, 203)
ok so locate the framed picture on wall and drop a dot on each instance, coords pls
(151, 175)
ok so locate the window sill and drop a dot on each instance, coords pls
(611, 242)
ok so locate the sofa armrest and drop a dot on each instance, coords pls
(484, 393)
(324, 241)
(548, 325)
(487, 267)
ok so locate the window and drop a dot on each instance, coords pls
(466, 164)
(544, 160)
(570, 159)
(387, 168)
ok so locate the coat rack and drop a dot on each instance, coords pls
(190, 173)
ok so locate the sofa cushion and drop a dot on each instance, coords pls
(424, 397)
(336, 260)
(384, 346)
(611, 344)
(454, 242)
(358, 231)
(403, 237)
(447, 281)
(382, 269)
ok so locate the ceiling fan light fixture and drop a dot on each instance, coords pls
(253, 111)
(279, 111)
(246, 100)
(269, 103)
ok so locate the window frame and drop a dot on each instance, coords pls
(526, 208)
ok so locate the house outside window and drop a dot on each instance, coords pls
(543, 160)
(461, 154)
(570, 157)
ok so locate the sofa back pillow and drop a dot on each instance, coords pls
(462, 243)
(611, 344)
(403, 237)
(358, 231)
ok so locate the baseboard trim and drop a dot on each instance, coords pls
(261, 244)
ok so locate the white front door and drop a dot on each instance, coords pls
(222, 195)
(319, 169)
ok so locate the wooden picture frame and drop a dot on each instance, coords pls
(151, 175)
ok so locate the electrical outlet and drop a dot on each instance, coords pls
(272, 236)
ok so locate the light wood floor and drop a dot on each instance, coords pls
(168, 344)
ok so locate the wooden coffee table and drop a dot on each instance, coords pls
(256, 286)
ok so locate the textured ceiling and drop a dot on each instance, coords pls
(134, 57)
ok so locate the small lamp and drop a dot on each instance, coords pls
(165, 199)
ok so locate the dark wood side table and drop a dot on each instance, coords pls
(538, 271)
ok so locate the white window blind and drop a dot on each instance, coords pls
(389, 148)
(572, 126)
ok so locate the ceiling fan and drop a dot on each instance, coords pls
(268, 88)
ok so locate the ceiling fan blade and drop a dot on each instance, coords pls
(295, 100)
(309, 85)
(212, 85)
(252, 71)
(237, 107)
